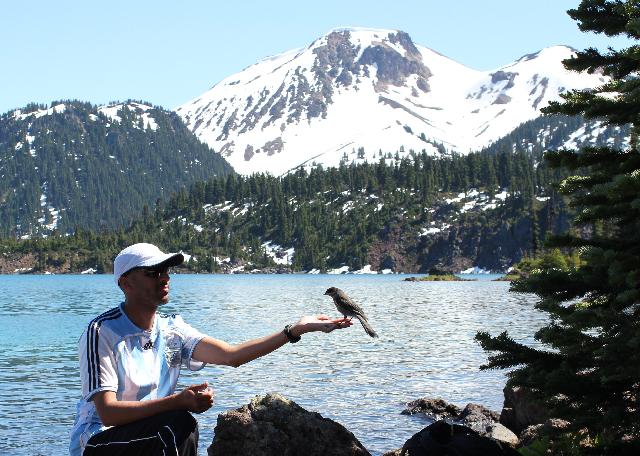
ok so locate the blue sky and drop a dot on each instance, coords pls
(168, 52)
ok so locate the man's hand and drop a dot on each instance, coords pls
(196, 398)
(319, 323)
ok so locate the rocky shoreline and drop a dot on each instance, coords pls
(273, 425)
(439, 278)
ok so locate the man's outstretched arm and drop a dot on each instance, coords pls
(214, 351)
(112, 412)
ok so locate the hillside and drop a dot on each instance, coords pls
(75, 164)
(484, 210)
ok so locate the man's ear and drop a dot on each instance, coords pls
(123, 282)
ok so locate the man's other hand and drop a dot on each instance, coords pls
(196, 398)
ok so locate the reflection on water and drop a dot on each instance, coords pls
(426, 347)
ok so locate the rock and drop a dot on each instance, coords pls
(521, 409)
(389, 262)
(445, 439)
(502, 433)
(478, 417)
(273, 425)
(433, 408)
(397, 452)
(530, 434)
(551, 428)
(554, 426)
(485, 422)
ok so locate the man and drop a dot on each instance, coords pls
(130, 359)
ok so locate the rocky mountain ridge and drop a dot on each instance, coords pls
(354, 93)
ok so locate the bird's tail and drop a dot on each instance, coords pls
(367, 327)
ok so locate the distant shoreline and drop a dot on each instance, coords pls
(411, 275)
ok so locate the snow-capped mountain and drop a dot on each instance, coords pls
(357, 93)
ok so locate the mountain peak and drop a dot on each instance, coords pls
(361, 37)
(356, 93)
(552, 55)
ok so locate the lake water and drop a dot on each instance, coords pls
(426, 348)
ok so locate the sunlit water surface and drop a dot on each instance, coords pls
(426, 348)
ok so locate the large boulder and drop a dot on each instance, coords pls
(521, 409)
(275, 426)
(478, 418)
(446, 439)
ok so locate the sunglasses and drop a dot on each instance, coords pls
(154, 273)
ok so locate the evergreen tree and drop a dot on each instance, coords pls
(588, 367)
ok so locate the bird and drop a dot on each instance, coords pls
(348, 308)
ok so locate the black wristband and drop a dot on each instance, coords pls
(287, 332)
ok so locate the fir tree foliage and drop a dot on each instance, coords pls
(348, 216)
(92, 170)
(587, 364)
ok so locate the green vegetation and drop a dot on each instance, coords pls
(97, 172)
(545, 260)
(352, 215)
(439, 275)
(117, 181)
(587, 370)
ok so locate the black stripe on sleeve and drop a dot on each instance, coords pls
(92, 341)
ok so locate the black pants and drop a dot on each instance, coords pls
(167, 434)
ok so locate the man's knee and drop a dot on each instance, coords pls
(180, 420)
(183, 428)
(183, 417)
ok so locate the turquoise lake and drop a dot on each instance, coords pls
(426, 348)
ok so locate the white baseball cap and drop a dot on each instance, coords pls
(143, 255)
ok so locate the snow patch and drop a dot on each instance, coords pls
(53, 213)
(140, 110)
(111, 112)
(278, 254)
(434, 230)
(475, 270)
(341, 270)
(57, 109)
(502, 195)
(365, 270)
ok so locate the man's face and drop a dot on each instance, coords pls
(146, 285)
